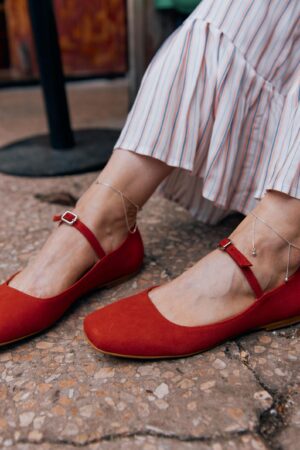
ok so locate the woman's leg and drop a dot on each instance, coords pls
(215, 288)
(66, 254)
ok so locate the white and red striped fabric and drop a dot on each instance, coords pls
(220, 102)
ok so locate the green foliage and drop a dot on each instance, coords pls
(184, 6)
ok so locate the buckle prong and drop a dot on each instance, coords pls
(223, 247)
(68, 221)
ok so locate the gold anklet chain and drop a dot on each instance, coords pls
(123, 198)
(290, 244)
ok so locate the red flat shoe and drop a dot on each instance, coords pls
(22, 315)
(134, 328)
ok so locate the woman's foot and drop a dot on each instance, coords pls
(67, 255)
(215, 288)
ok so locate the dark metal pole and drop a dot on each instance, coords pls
(39, 156)
(51, 73)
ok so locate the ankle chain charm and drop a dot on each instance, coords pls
(123, 198)
(290, 244)
(254, 253)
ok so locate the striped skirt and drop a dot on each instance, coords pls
(220, 103)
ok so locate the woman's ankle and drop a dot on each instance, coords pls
(282, 213)
(104, 212)
(264, 237)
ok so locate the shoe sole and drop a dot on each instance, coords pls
(281, 324)
(139, 357)
(270, 327)
(103, 286)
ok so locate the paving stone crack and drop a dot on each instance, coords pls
(272, 420)
(141, 433)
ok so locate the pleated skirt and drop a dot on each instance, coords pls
(220, 102)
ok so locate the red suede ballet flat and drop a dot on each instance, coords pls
(22, 315)
(134, 328)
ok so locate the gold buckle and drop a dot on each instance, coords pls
(69, 221)
(223, 247)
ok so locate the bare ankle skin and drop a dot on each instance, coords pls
(282, 213)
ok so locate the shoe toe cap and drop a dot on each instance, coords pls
(124, 328)
(11, 315)
(106, 328)
(21, 315)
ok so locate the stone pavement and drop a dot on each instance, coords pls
(57, 393)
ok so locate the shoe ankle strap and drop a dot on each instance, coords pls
(72, 219)
(244, 264)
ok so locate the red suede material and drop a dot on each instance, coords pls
(134, 327)
(86, 232)
(22, 315)
(227, 246)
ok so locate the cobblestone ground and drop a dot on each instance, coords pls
(57, 393)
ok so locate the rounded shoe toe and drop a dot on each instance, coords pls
(105, 328)
(95, 327)
(21, 315)
(123, 328)
(11, 315)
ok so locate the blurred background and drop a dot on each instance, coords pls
(93, 35)
(104, 49)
